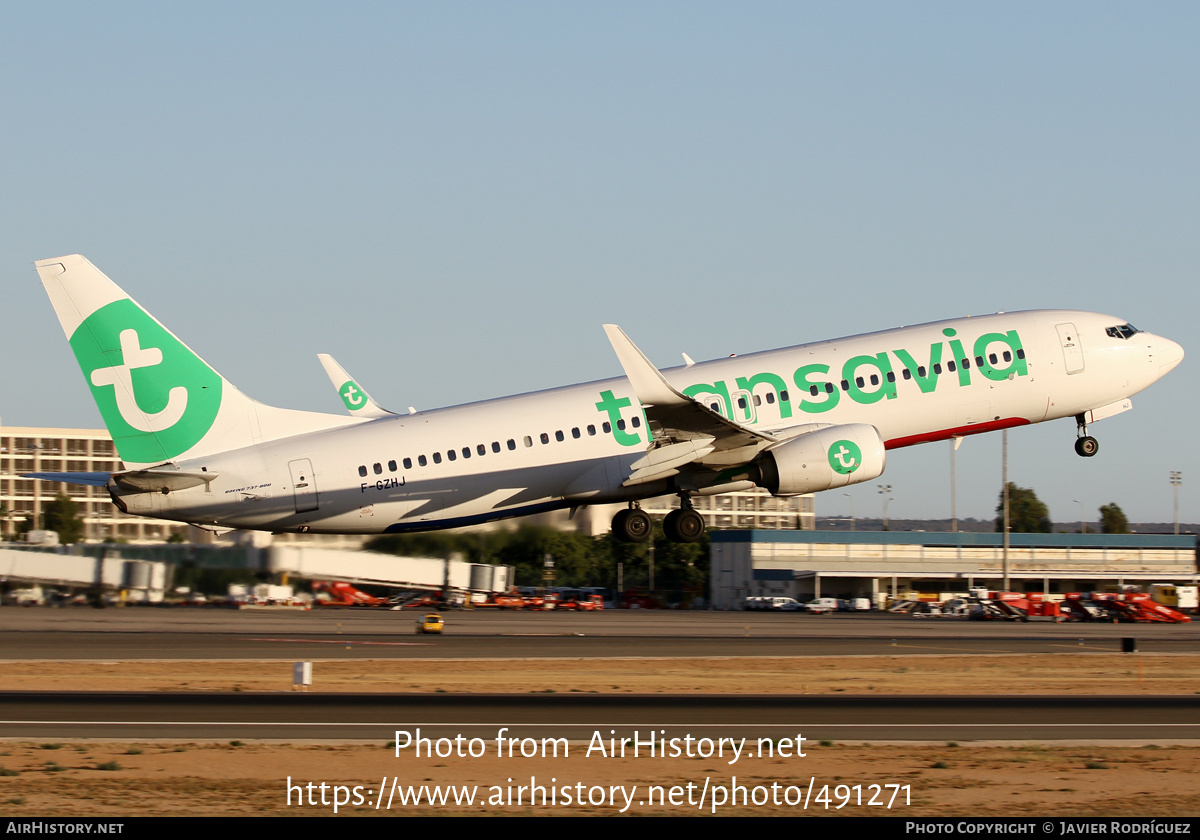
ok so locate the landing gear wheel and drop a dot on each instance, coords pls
(1086, 446)
(683, 526)
(632, 526)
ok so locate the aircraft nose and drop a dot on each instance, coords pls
(1166, 354)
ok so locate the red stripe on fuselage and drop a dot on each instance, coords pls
(960, 431)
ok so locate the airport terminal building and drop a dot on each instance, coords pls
(875, 564)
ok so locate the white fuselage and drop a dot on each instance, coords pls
(574, 445)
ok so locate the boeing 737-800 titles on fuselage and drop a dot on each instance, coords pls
(796, 420)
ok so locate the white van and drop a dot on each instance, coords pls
(822, 605)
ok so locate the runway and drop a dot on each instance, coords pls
(295, 717)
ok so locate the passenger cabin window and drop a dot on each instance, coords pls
(362, 470)
(575, 433)
(466, 452)
(607, 427)
(528, 440)
(437, 457)
(449, 454)
(408, 463)
(770, 398)
(591, 430)
(496, 445)
(422, 460)
(545, 438)
(637, 421)
(378, 469)
(392, 466)
(482, 450)
(559, 436)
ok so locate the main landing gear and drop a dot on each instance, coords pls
(633, 525)
(1085, 444)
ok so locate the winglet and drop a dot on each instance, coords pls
(357, 401)
(651, 387)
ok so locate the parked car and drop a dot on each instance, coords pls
(430, 623)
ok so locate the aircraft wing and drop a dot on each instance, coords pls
(357, 401)
(684, 430)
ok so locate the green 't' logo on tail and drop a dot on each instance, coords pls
(157, 398)
(352, 395)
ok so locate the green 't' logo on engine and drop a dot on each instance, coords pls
(845, 457)
(157, 398)
(352, 396)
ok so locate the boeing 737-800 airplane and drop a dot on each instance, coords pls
(796, 420)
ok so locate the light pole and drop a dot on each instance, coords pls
(1080, 515)
(851, 498)
(1176, 480)
(884, 490)
(954, 442)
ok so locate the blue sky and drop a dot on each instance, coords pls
(451, 198)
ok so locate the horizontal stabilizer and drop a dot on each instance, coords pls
(91, 479)
(162, 480)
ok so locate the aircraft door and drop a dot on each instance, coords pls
(743, 403)
(1072, 349)
(304, 485)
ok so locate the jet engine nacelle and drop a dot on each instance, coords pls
(836, 456)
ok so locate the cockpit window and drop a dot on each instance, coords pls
(1125, 331)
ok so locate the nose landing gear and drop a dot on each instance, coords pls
(1085, 444)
